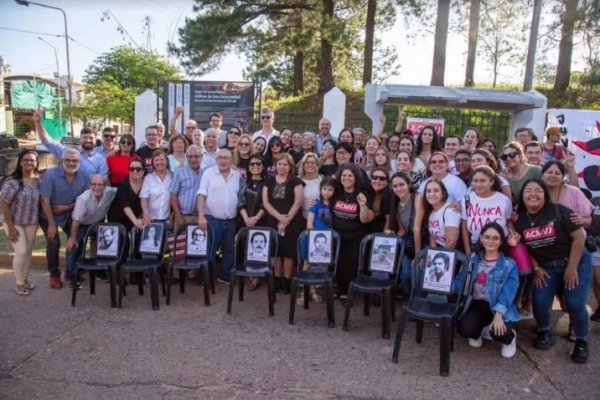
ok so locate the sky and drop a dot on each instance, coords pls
(27, 54)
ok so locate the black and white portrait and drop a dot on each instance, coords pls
(151, 237)
(196, 241)
(107, 241)
(319, 247)
(439, 271)
(258, 245)
(383, 254)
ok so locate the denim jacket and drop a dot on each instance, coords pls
(502, 286)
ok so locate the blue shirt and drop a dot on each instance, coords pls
(92, 164)
(185, 184)
(322, 215)
(102, 151)
(61, 192)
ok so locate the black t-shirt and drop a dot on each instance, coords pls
(145, 153)
(378, 222)
(125, 197)
(346, 216)
(547, 233)
(328, 170)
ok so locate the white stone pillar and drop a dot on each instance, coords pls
(145, 115)
(334, 108)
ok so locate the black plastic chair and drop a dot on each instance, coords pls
(319, 274)
(245, 268)
(146, 261)
(425, 305)
(192, 260)
(100, 259)
(373, 278)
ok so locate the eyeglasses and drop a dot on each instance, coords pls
(244, 144)
(437, 162)
(491, 238)
(380, 178)
(255, 164)
(462, 160)
(342, 153)
(505, 157)
(274, 144)
(265, 117)
(236, 133)
(136, 169)
(97, 184)
(126, 142)
(109, 136)
(190, 127)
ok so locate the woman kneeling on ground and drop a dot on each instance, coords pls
(491, 311)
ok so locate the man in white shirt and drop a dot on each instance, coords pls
(217, 208)
(267, 118)
(209, 153)
(324, 133)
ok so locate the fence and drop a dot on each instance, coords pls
(494, 125)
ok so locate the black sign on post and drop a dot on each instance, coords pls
(234, 100)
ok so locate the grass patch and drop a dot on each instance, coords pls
(39, 245)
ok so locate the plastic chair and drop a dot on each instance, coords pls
(425, 305)
(144, 260)
(192, 260)
(376, 276)
(247, 267)
(100, 260)
(320, 273)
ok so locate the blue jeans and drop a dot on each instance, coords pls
(405, 277)
(73, 254)
(575, 299)
(53, 246)
(223, 231)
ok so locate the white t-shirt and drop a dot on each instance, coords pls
(454, 185)
(441, 219)
(496, 208)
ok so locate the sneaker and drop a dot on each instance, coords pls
(475, 342)
(55, 282)
(223, 280)
(29, 286)
(596, 315)
(79, 285)
(485, 333)
(509, 350)
(544, 340)
(580, 351)
(21, 290)
(525, 315)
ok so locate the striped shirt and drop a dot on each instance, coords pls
(185, 184)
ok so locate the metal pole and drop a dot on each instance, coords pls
(69, 86)
(60, 118)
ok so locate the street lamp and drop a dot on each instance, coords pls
(58, 76)
(69, 87)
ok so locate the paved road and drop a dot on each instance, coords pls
(50, 350)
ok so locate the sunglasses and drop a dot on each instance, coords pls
(126, 142)
(109, 136)
(275, 144)
(265, 117)
(136, 169)
(236, 133)
(505, 157)
(255, 164)
(380, 178)
(244, 144)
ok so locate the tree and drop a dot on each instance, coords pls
(116, 77)
(472, 40)
(326, 77)
(369, 41)
(439, 50)
(565, 47)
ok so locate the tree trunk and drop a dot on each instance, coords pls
(565, 47)
(473, 35)
(298, 73)
(326, 78)
(369, 38)
(531, 50)
(439, 49)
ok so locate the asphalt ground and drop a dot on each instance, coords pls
(50, 350)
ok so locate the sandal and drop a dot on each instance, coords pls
(315, 297)
(253, 284)
(21, 290)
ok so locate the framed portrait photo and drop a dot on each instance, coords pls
(258, 246)
(196, 241)
(439, 271)
(107, 241)
(319, 247)
(151, 238)
(383, 254)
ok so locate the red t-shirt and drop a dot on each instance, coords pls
(118, 167)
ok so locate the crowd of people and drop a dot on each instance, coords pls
(440, 192)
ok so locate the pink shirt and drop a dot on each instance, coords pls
(574, 199)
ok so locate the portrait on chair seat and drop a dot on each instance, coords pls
(107, 241)
(319, 247)
(383, 254)
(151, 237)
(258, 246)
(196, 241)
(439, 271)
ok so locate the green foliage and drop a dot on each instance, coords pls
(115, 78)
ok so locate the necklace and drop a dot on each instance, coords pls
(534, 220)
(348, 196)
